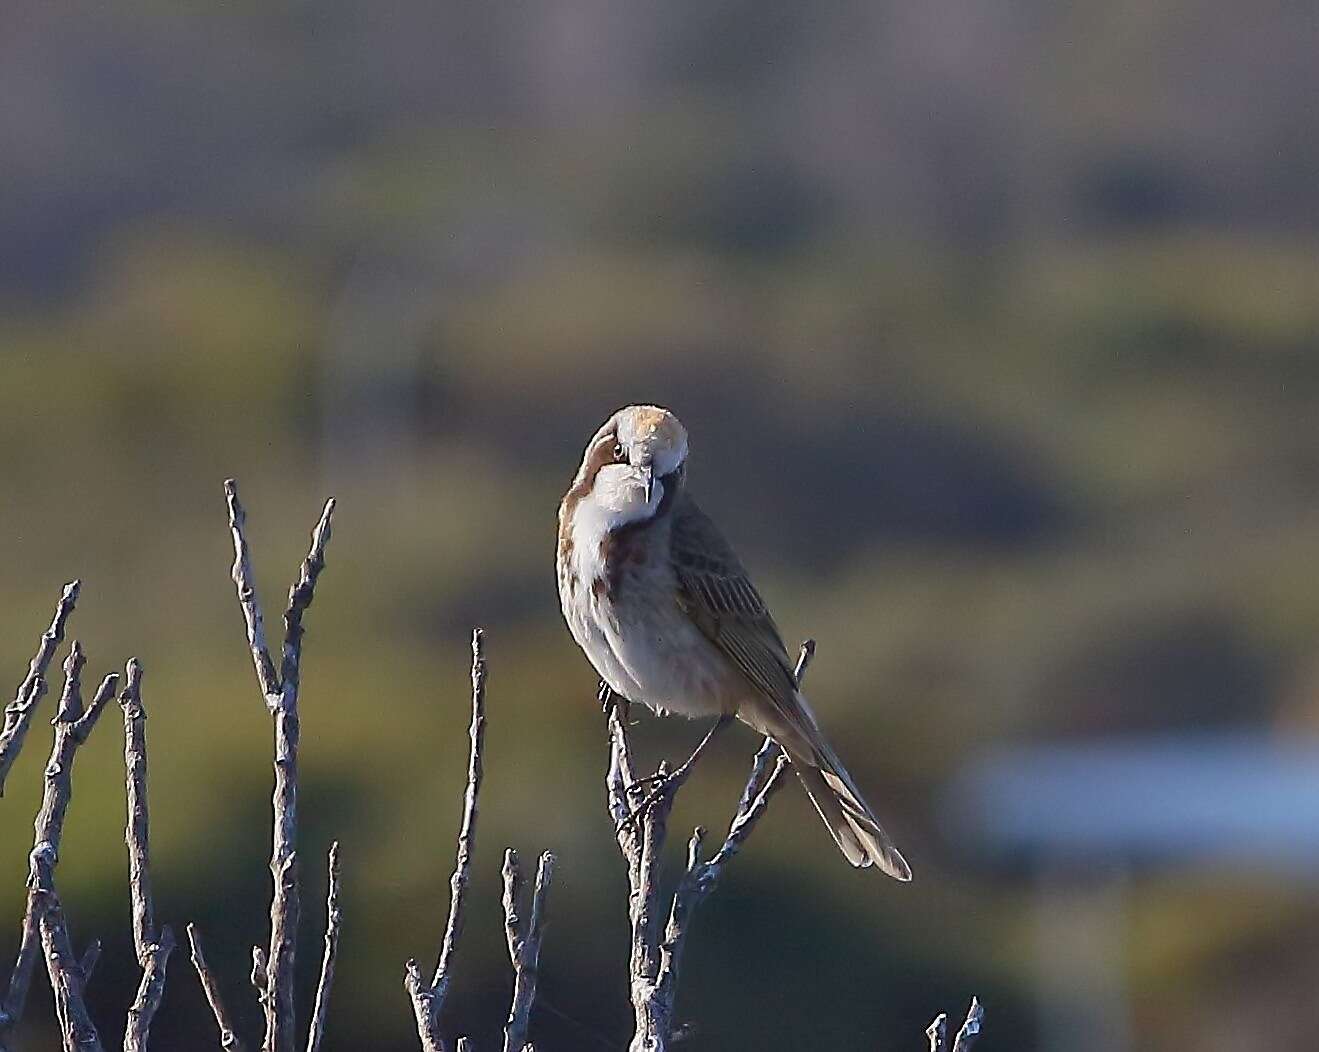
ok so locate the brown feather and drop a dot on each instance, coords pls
(717, 594)
(715, 591)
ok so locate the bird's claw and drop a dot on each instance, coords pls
(667, 781)
(611, 702)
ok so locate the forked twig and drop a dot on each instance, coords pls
(280, 691)
(77, 1030)
(153, 947)
(966, 1036)
(44, 918)
(655, 962)
(19, 712)
(428, 998)
(524, 938)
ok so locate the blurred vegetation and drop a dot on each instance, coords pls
(995, 332)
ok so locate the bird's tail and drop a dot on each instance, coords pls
(846, 814)
(849, 819)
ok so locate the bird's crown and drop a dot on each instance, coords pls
(651, 434)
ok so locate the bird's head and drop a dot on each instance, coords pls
(636, 457)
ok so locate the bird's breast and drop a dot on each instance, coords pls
(619, 596)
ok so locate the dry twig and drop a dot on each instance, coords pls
(333, 921)
(90, 957)
(524, 938)
(153, 947)
(67, 981)
(228, 1035)
(19, 712)
(428, 998)
(44, 921)
(654, 962)
(937, 1031)
(280, 690)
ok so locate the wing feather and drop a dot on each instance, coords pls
(717, 594)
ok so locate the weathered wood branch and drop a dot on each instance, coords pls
(966, 1036)
(19, 712)
(229, 1041)
(153, 947)
(428, 998)
(524, 939)
(462, 867)
(280, 690)
(90, 957)
(44, 924)
(77, 1031)
(273, 969)
(333, 922)
(655, 961)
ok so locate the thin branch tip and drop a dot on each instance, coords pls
(333, 922)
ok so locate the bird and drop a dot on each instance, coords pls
(665, 612)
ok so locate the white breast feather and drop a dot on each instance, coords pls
(589, 615)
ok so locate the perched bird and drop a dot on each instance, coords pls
(667, 615)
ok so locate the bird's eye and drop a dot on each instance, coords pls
(620, 454)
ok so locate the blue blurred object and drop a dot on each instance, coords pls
(1243, 800)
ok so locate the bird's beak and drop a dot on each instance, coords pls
(647, 481)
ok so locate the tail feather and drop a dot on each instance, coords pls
(852, 824)
(840, 804)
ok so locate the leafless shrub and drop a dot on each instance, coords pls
(640, 818)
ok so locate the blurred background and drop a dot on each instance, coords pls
(994, 326)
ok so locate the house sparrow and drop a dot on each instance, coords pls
(667, 615)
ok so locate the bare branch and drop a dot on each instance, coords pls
(461, 879)
(77, 1030)
(937, 1032)
(90, 956)
(966, 1036)
(466, 1044)
(136, 833)
(333, 920)
(524, 939)
(19, 712)
(267, 677)
(228, 1035)
(279, 1003)
(153, 948)
(424, 1008)
(655, 962)
(20, 979)
(258, 975)
(150, 992)
(69, 709)
(428, 999)
(71, 728)
(280, 690)
(284, 906)
(301, 594)
(619, 780)
(805, 655)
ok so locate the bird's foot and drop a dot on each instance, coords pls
(669, 782)
(665, 782)
(612, 702)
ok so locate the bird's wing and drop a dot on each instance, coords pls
(716, 593)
